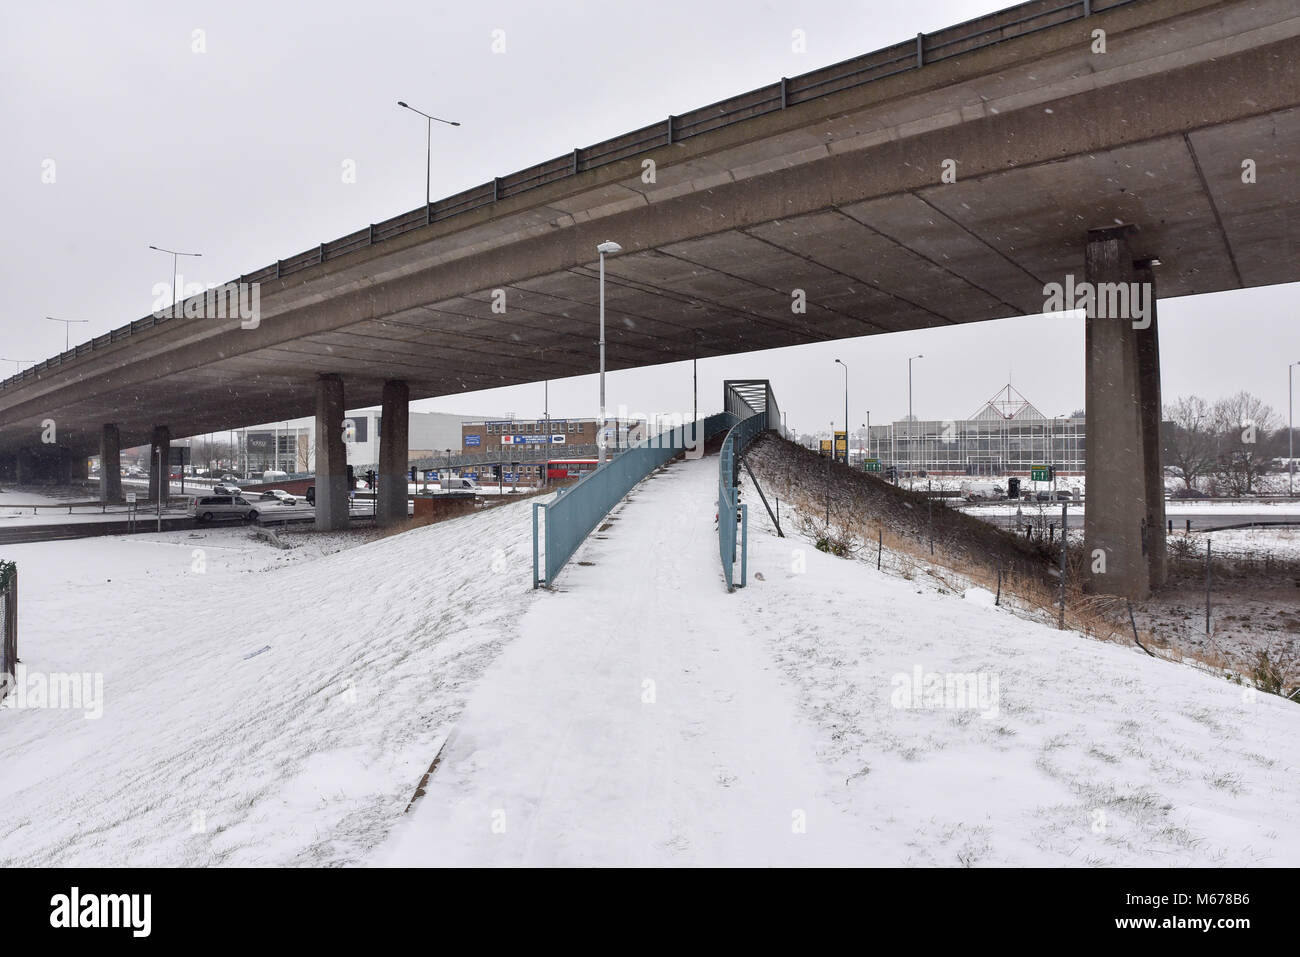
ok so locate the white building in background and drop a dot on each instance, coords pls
(1006, 435)
(291, 446)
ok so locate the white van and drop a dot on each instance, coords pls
(453, 484)
(272, 475)
(205, 508)
(982, 492)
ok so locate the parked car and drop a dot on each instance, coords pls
(231, 478)
(278, 495)
(205, 508)
(311, 494)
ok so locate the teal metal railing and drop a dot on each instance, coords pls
(561, 525)
(753, 404)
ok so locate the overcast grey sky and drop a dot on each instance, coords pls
(237, 152)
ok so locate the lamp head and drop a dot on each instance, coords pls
(609, 246)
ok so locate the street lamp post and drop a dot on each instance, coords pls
(609, 247)
(175, 271)
(1290, 430)
(428, 144)
(67, 325)
(911, 430)
(18, 363)
(846, 412)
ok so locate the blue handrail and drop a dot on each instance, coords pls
(568, 519)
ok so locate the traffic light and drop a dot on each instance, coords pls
(370, 478)
(410, 476)
(352, 479)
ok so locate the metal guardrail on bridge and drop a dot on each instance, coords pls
(904, 57)
(752, 404)
(566, 521)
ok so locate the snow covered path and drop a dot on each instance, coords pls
(777, 710)
(635, 721)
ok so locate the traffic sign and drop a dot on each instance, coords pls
(1042, 473)
(872, 465)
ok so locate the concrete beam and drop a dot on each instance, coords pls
(1115, 518)
(110, 464)
(159, 483)
(331, 456)
(394, 443)
(1148, 354)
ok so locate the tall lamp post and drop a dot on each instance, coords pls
(175, 271)
(846, 412)
(867, 426)
(67, 325)
(428, 143)
(608, 247)
(1290, 430)
(911, 430)
(18, 363)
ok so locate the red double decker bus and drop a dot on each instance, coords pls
(569, 468)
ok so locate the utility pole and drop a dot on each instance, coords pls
(695, 402)
(1290, 431)
(828, 476)
(846, 413)
(609, 246)
(911, 430)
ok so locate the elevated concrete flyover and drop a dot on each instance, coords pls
(824, 191)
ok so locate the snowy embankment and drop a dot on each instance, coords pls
(260, 706)
(644, 716)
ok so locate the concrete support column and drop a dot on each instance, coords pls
(65, 467)
(1115, 511)
(158, 480)
(110, 464)
(1148, 346)
(331, 456)
(25, 467)
(394, 444)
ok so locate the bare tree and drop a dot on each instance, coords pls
(1190, 444)
(1243, 422)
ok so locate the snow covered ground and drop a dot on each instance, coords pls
(259, 705)
(644, 716)
(267, 706)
